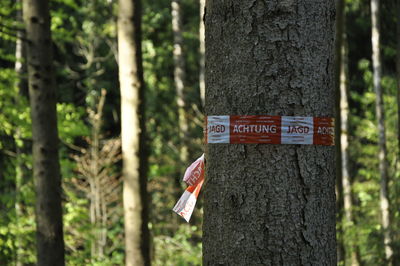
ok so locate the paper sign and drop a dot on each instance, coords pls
(194, 177)
(185, 205)
(195, 172)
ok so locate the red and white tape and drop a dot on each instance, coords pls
(194, 177)
(270, 130)
(252, 129)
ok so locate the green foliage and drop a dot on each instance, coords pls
(71, 122)
(178, 250)
(367, 232)
(84, 43)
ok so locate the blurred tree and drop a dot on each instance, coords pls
(343, 135)
(383, 167)
(398, 73)
(44, 134)
(99, 182)
(133, 133)
(339, 26)
(179, 78)
(396, 257)
(17, 244)
(202, 52)
(269, 204)
(21, 84)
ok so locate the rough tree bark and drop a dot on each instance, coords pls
(380, 115)
(179, 79)
(269, 204)
(133, 133)
(46, 168)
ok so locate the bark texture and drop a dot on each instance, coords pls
(269, 204)
(46, 168)
(133, 133)
(380, 115)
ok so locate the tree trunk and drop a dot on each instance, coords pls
(97, 212)
(380, 115)
(21, 84)
(341, 251)
(202, 50)
(344, 145)
(20, 58)
(343, 125)
(133, 133)
(396, 256)
(398, 74)
(179, 78)
(269, 204)
(44, 134)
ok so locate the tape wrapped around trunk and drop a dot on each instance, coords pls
(264, 129)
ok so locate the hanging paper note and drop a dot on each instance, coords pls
(185, 205)
(194, 177)
(195, 172)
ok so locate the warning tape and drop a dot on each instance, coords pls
(270, 130)
(252, 129)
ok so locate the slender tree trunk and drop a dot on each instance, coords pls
(341, 251)
(346, 180)
(21, 84)
(92, 194)
(96, 197)
(179, 78)
(18, 200)
(398, 76)
(20, 57)
(396, 256)
(342, 145)
(269, 204)
(377, 73)
(202, 83)
(50, 242)
(133, 133)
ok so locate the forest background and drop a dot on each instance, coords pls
(85, 58)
